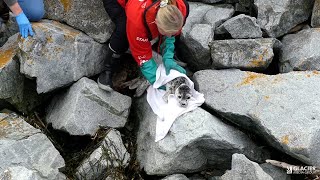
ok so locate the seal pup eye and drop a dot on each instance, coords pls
(179, 97)
(188, 97)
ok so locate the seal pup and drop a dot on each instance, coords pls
(179, 87)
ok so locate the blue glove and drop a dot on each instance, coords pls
(167, 47)
(24, 25)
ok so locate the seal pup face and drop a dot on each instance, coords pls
(183, 95)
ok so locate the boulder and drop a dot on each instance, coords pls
(87, 16)
(197, 11)
(84, 107)
(11, 86)
(109, 156)
(275, 172)
(218, 14)
(210, 1)
(300, 51)
(283, 109)
(278, 17)
(194, 46)
(26, 152)
(14, 87)
(249, 54)
(175, 177)
(197, 45)
(8, 28)
(242, 27)
(243, 168)
(191, 145)
(315, 18)
(244, 6)
(58, 55)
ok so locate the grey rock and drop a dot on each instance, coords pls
(210, 1)
(231, 1)
(117, 176)
(87, 16)
(196, 140)
(218, 14)
(26, 152)
(109, 156)
(240, 8)
(315, 18)
(197, 177)
(251, 54)
(18, 173)
(84, 107)
(278, 17)
(197, 46)
(197, 12)
(242, 27)
(275, 172)
(14, 87)
(11, 86)
(300, 51)
(58, 55)
(220, 30)
(246, 3)
(196, 35)
(244, 6)
(314, 151)
(3, 28)
(175, 177)
(283, 109)
(8, 29)
(243, 168)
(215, 178)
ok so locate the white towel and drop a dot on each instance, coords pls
(168, 112)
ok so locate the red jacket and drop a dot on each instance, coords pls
(141, 27)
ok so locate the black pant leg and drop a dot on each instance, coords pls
(118, 40)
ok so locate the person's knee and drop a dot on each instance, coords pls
(35, 13)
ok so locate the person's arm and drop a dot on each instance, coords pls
(141, 50)
(14, 7)
(10, 2)
(22, 20)
(167, 49)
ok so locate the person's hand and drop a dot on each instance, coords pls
(168, 54)
(24, 25)
(149, 70)
(171, 64)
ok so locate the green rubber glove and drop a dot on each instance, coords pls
(167, 47)
(149, 70)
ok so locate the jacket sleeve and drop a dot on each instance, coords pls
(139, 44)
(10, 2)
